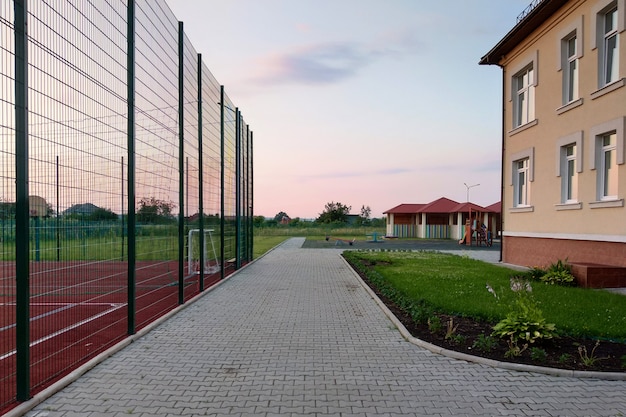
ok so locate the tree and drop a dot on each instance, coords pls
(364, 217)
(102, 214)
(334, 213)
(258, 221)
(7, 209)
(153, 210)
(280, 216)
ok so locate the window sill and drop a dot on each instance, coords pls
(569, 106)
(568, 206)
(523, 127)
(607, 203)
(608, 88)
(522, 209)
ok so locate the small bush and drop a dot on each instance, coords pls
(525, 322)
(485, 343)
(535, 273)
(434, 324)
(538, 354)
(559, 273)
(565, 357)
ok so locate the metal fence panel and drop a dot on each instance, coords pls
(127, 153)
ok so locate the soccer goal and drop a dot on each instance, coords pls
(211, 262)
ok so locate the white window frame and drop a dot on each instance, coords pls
(570, 178)
(610, 49)
(521, 188)
(524, 99)
(601, 38)
(562, 166)
(570, 75)
(526, 91)
(607, 187)
(529, 177)
(566, 61)
(596, 160)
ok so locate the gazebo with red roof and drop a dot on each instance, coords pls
(440, 219)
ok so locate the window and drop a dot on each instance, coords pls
(608, 168)
(609, 22)
(524, 99)
(520, 184)
(570, 73)
(607, 159)
(522, 170)
(570, 178)
(570, 51)
(569, 165)
(610, 57)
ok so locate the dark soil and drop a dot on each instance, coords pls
(561, 353)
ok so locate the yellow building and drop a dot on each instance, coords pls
(564, 116)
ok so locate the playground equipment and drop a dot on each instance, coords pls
(339, 241)
(475, 232)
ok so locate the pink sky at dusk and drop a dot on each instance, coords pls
(361, 102)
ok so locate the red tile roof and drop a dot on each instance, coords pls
(405, 209)
(495, 207)
(466, 207)
(443, 205)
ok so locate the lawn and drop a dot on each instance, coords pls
(458, 285)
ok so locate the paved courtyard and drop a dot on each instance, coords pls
(296, 334)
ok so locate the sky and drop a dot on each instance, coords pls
(362, 102)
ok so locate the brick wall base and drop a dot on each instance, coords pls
(594, 264)
(540, 252)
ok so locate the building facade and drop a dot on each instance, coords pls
(564, 121)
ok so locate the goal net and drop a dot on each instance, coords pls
(211, 262)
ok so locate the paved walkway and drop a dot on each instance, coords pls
(296, 333)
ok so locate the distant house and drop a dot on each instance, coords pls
(564, 133)
(439, 219)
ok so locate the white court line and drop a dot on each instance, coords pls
(114, 306)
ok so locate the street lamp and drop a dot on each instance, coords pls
(468, 188)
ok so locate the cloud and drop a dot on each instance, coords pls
(355, 173)
(318, 64)
(328, 63)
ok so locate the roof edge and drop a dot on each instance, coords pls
(521, 30)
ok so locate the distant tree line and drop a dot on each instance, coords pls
(334, 214)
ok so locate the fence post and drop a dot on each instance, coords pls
(237, 188)
(249, 217)
(251, 157)
(132, 248)
(200, 176)
(22, 212)
(222, 181)
(181, 164)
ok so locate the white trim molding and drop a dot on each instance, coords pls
(567, 236)
(616, 125)
(575, 139)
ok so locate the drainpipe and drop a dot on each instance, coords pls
(503, 161)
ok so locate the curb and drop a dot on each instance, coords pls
(609, 376)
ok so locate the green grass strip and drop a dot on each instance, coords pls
(457, 285)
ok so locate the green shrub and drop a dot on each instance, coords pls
(525, 322)
(559, 273)
(485, 343)
(538, 354)
(434, 324)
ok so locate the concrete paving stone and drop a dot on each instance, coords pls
(296, 333)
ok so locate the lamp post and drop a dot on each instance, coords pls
(468, 188)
